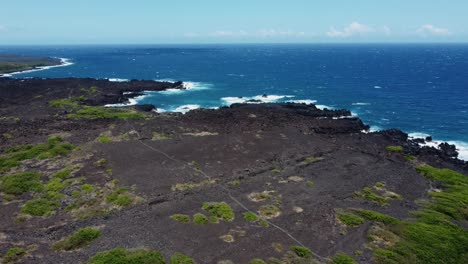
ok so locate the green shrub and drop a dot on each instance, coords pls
(88, 188)
(310, 183)
(179, 258)
(264, 223)
(54, 147)
(200, 219)
(276, 171)
(221, 210)
(397, 149)
(301, 251)
(20, 183)
(370, 195)
(269, 211)
(342, 258)
(55, 185)
(104, 139)
(123, 256)
(251, 217)
(377, 217)
(119, 199)
(67, 102)
(350, 219)
(437, 234)
(40, 207)
(181, 218)
(62, 174)
(257, 261)
(13, 255)
(79, 239)
(99, 112)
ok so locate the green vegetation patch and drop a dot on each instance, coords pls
(55, 185)
(302, 252)
(437, 234)
(79, 239)
(62, 174)
(99, 112)
(120, 198)
(396, 149)
(72, 102)
(181, 218)
(124, 256)
(104, 139)
(269, 211)
(310, 183)
(221, 210)
(179, 258)
(200, 219)
(20, 183)
(377, 217)
(13, 255)
(54, 147)
(257, 261)
(350, 219)
(251, 217)
(342, 258)
(190, 185)
(368, 194)
(40, 207)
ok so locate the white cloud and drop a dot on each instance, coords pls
(268, 33)
(191, 35)
(352, 29)
(387, 30)
(226, 33)
(264, 33)
(431, 30)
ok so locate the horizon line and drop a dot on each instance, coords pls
(242, 43)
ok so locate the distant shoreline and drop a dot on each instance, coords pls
(13, 64)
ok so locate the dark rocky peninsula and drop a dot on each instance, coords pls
(15, 63)
(250, 183)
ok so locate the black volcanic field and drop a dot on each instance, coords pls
(250, 183)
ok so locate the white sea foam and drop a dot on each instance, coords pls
(131, 101)
(64, 62)
(322, 107)
(377, 87)
(462, 147)
(160, 110)
(188, 86)
(306, 101)
(185, 108)
(118, 80)
(375, 129)
(360, 103)
(255, 99)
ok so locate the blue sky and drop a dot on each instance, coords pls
(241, 21)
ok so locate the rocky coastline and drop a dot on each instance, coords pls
(147, 180)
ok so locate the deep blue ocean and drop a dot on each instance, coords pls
(419, 88)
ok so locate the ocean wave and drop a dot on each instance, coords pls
(306, 101)
(255, 99)
(322, 107)
(131, 101)
(185, 108)
(461, 146)
(188, 86)
(360, 103)
(64, 62)
(117, 80)
(377, 87)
